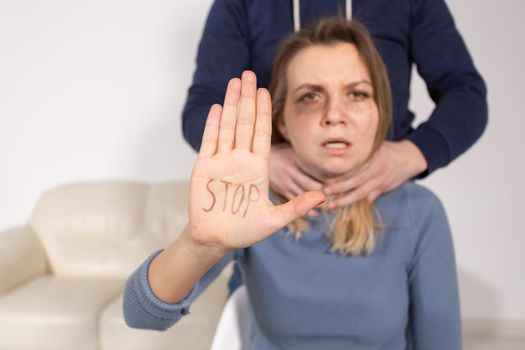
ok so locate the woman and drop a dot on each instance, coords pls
(383, 280)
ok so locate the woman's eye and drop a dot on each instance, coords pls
(308, 97)
(359, 95)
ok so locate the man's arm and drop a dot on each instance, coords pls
(225, 32)
(443, 61)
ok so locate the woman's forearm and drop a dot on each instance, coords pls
(174, 272)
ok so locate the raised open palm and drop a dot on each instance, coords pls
(229, 203)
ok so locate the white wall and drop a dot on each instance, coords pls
(483, 191)
(94, 90)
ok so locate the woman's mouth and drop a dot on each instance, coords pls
(336, 146)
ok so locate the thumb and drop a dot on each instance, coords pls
(298, 207)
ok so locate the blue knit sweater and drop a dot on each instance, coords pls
(403, 295)
(245, 34)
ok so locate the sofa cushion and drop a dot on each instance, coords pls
(94, 229)
(166, 210)
(21, 257)
(55, 313)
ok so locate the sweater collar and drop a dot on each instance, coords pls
(296, 10)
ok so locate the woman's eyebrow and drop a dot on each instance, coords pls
(308, 86)
(355, 83)
(320, 87)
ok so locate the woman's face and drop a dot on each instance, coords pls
(330, 116)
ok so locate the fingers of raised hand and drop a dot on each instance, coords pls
(246, 111)
(263, 125)
(245, 121)
(229, 116)
(211, 132)
(285, 213)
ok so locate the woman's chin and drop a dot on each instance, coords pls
(334, 173)
(338, 167)
(329, 171)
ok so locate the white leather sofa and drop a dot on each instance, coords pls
(62, 275)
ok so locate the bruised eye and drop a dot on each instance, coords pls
(308, 97)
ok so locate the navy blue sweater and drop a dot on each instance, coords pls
(246, 34)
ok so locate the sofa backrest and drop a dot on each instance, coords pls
(106, 229)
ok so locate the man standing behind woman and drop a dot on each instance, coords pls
(245, 34)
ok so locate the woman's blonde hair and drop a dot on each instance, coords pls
(353, 228)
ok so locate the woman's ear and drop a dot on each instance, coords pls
(282, 128)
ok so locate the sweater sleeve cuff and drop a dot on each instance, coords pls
(144, 310)
(434, 147)
(159, 305)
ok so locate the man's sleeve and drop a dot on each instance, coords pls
(434, 317)
(142, 309)
(443, 61)
(224, 52)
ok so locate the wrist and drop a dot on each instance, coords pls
(202, 250)
(174, 272)
(417, 161)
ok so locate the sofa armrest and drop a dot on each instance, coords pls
(21, 257)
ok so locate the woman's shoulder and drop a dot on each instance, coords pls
(411, 194)
(416, 215)
(410, 204)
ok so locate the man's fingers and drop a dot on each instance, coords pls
(369, 170)
(283, 214)
(305, 182)
(229, 115)
(246, 111)
(263, 125)
(348, 184)
(288, 189)
(373, 196)
(373, 185)
(211, 132)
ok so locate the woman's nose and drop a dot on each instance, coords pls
(335, 114)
